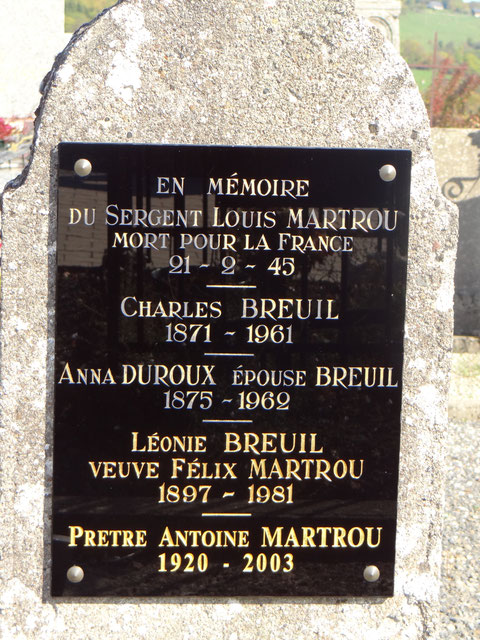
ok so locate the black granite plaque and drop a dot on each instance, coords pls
(228, 375)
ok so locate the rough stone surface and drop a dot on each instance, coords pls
(460, 588)
(384, 15)
(460, 592)
(253, 73)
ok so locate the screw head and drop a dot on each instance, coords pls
(371, 573)
(388, 173)
(75, 574)
(82, 167)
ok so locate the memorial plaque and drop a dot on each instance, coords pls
(228, 375)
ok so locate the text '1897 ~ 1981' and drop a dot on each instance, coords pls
(228, 373)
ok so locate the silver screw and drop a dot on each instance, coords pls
(82, 167)
(371, 573)
(75, 574)
(388, 173)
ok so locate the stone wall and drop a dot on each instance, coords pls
(384, 15)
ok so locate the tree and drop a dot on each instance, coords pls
(414, 53)
(449, 95)
(456, 5)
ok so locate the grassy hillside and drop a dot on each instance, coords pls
(77, 12)
(454, 28)
(451, 27)
(458, 38)
(458, 44)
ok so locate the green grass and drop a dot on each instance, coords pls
(423, 78)
(466, 365)
(451, 27)
(454, 30)
(77, 12)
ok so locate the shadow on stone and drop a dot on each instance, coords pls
(467, 283)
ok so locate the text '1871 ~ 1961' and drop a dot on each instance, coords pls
(228, 372)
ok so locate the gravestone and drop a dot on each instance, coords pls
(457, 162)
(205, 268)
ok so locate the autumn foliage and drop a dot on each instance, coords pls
(5, 129)
(448, 96)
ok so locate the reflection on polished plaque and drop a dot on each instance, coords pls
(228, 374)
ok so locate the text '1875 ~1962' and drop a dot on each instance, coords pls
(228, 372)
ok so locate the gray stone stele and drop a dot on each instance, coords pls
(288, 73)
(457, 156)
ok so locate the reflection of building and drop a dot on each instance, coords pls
(385, 15)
